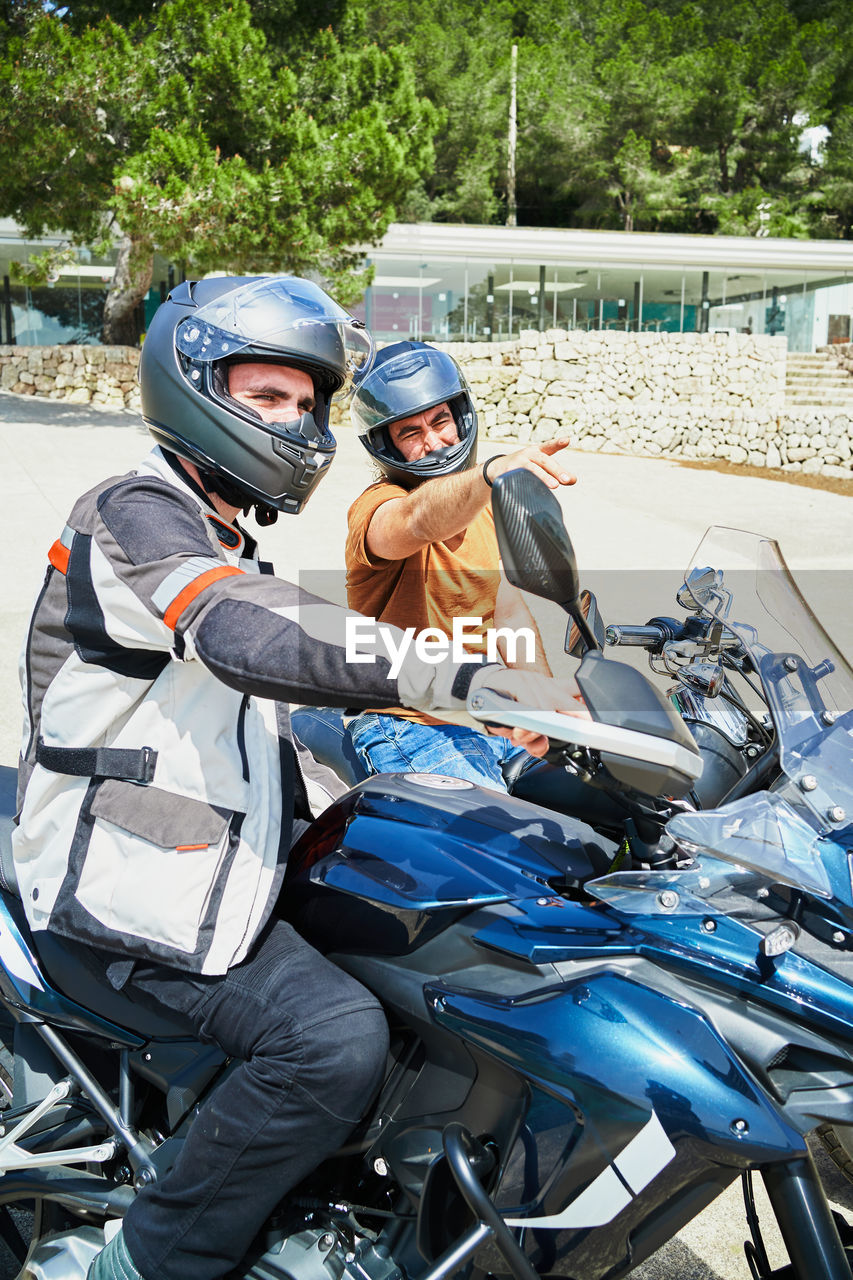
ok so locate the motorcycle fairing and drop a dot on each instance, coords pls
(550, 929)
(395, 863)
(644, 1141)
(695, 934)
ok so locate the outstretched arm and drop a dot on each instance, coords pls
(441, 508)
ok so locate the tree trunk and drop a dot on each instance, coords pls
(723, 157)
(131, 282)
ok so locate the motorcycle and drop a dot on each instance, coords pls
(583, 1056)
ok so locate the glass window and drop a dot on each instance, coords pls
(67, 308)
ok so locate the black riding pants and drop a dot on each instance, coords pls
(312, 1043)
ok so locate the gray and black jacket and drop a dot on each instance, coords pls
(159, 779)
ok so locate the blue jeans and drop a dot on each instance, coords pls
(391, 744)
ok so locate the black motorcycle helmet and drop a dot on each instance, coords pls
(205, 325)
(406, 378)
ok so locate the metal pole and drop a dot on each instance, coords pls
(420, 332)
(511, 208)
(465, 308)
(511, 276)
(7, 307)
(705, 305)
(681, 317)
(541, 298)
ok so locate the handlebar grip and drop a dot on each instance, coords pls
(651, 636)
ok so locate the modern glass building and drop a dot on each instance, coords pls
(478, 283)
(470, 283)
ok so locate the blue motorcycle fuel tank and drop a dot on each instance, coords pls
(402, 856)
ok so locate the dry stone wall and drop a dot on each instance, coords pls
(703, 396)
(843, 352)
(96, 375)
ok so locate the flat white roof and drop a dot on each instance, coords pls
(436, 241)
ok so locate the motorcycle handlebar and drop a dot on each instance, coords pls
(624, 633)
(653, 636)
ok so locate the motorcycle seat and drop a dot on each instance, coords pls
(322, 731)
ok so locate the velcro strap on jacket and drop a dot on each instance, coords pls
(130, 765)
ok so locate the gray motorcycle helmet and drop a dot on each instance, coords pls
(205, 325)
(406, 378)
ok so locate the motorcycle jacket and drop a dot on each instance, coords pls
(159, 779)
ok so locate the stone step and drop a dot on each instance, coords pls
(830, 411)
(835, 384)
(821, 393)
(808, 380)
(812, 371)
(820, 388)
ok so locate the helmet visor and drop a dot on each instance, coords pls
(402, 386)
(275, 313)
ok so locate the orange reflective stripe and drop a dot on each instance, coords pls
(58, 556)
(189, 593)
(187, 848)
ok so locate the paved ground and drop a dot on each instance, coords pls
(634, 522)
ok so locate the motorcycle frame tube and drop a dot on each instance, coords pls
(456, 1139)
(454, 1259)
(805, 1220)
(137, 1148)
(73, 1188)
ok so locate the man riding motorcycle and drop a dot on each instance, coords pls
(160, 786)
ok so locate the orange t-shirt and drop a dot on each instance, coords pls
(444, 580)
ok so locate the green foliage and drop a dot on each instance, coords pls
(283, 134)
(681, 115)
(460, 53)
(834, 199)
(185, 132)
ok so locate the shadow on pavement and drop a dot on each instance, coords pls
(59, 413)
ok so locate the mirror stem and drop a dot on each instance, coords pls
(575, 610)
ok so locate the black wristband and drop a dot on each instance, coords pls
(486, 463)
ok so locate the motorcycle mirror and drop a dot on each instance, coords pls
(700, 587)
(574, 645)
(535, 548)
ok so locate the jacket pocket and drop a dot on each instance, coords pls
(154, 863)
(165, 819)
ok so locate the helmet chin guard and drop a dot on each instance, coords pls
(195, 335)
(404, 379)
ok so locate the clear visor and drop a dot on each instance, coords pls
(402, 386)
(284, 312)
